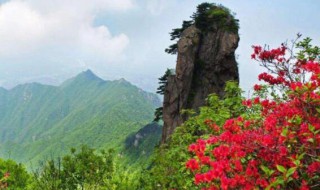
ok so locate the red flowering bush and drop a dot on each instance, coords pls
(276, 143)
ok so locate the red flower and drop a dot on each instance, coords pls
(257, 87)
(314, 168)
(304, 185)
(192, 164)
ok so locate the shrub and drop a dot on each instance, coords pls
(13, 175)
(275, 144)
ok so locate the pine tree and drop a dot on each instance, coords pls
(201, 16)
(158, 114)
(172, 49)
(160, 90)
(163, 82)
(176, 34)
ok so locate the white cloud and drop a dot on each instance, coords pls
(20, 27)
(99, 40)
(30, 25)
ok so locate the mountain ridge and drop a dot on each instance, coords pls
(86, 73)
(86, 110)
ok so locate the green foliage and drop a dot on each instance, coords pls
(168, 170)
(172, 49)
(307, 51)
(16, 176)
(175, 35)
(208, 16)
(85, 169)
(158, 114)
(163, 80)
(37, 121)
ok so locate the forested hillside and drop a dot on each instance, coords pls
(38, 121)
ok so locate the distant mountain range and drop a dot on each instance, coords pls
(38, 121)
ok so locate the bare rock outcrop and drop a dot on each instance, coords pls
(206, 61)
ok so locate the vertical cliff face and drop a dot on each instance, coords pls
(206, 60)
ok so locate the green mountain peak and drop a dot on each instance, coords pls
(88, 75)
(39, 120)
(84, 78)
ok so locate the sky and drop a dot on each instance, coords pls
(49, 41)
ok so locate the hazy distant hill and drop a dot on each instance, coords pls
(140, 145)
(40, 120)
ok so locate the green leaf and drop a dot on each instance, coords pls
(301, 156)
(311, 140)
(296, 162)
(276, 183)
(268, 188)
(265, 169)
(280, 181)
(311, 128)
(290, 171)
(298, 120)
(284, 132)
(281, 169)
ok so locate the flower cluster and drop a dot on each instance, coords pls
(269, 55)
(276, 143)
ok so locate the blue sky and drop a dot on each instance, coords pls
(52, 40)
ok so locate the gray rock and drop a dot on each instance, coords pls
(206, 61)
